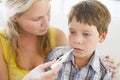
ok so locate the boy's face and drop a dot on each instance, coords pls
(84, 38)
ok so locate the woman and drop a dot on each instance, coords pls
(27, 39)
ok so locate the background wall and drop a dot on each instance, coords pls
(111, 46)
(61, 8)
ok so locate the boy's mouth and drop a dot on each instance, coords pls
(77, 50)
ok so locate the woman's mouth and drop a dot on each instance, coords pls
(43, 30)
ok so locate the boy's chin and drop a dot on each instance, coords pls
(81, 56)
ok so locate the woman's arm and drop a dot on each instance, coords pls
(3, 66)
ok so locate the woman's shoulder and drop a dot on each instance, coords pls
(2, 41)
(56, 30)
(61, 37)
(3, 33)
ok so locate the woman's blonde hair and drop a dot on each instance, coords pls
(15, 8)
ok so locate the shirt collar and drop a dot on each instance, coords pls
(94, 61)
(70, 58)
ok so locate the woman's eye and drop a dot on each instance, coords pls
(37, 19)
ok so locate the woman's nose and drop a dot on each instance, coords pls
(45, 21)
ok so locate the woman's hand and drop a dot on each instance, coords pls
(112, 64)
(40, 73)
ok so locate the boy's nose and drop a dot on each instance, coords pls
(78, 40)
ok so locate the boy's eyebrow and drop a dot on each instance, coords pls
(81, 30)
(71, 29)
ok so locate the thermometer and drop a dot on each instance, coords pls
(61, 59)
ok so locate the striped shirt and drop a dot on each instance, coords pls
(94, 70)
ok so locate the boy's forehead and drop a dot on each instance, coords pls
(75, 25)
(75, 22)
(74, 19)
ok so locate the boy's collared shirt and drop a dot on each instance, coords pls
(94, 70)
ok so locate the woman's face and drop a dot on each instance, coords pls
(35, 20)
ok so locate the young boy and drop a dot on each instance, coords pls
(88, 21)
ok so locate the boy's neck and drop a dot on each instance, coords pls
(81, 62)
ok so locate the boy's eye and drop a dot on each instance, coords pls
(86, 34)
(72, 32)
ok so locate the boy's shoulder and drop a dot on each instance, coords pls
(99, 66)
(103, 67)
(98, 58)
(57, 52)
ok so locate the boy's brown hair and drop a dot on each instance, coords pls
(91, 12)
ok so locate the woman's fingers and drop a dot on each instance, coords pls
(112, 65)
(45, 66)
(54, 72)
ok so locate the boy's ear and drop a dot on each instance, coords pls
(103, 36)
